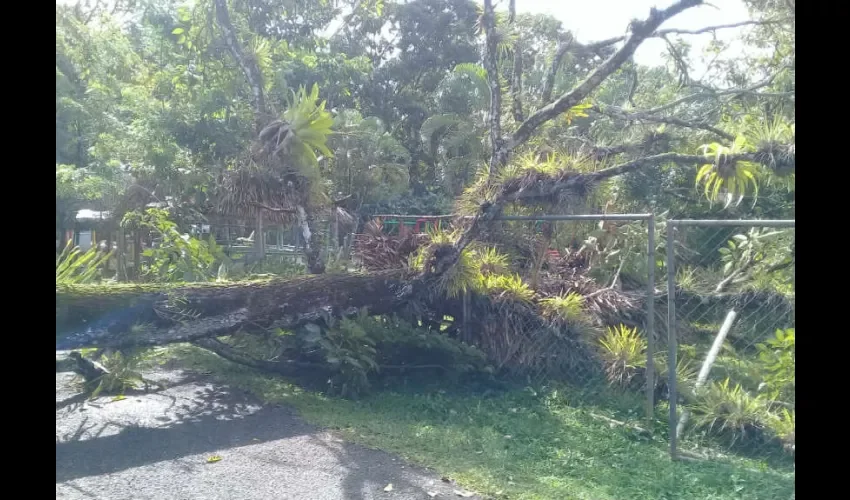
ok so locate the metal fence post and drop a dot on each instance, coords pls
(650, 321)
(671, 336)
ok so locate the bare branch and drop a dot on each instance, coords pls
(601, 152)
(548, 189)
(516, 85)
(712, 29)
(630, 98)
(594, 46)
(272, 209)
(640, 32)
(619, 113)
(721, 92)
(549, 81)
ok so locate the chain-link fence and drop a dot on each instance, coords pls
(590, 277)
(730, 318)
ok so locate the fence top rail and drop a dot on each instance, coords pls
(594, 217)
(731, 222)
(555, 217)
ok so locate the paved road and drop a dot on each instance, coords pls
(155, 446)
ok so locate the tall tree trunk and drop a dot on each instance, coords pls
(247, 64)
(137, 254)
(312, 241)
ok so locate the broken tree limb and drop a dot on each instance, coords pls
(227, 352)
(707, 364)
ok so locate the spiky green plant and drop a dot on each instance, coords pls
(310, 123)
(727, 178)
(784, 426)
(773, 141)
(74, 267)
(464, 276)
(492, 262)
(567, 307)
(686, 372)
(729, 411)
(123, 374)
(508, 286)
(623, 352)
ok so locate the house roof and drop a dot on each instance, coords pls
(92, 215)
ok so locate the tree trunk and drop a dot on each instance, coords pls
(139, 314)
(137, 254)
(312, 240)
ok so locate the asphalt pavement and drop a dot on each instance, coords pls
(201, 440)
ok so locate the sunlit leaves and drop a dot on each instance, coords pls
(727, 178)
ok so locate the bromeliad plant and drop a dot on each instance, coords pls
(568, 307)
(623, 352)
(725, 177)
(729, 411)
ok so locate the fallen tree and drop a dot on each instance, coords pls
(126, 316)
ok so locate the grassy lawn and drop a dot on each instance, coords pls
(518, 444)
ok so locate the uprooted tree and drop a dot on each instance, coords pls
(512, 323)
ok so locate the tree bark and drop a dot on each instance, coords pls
(312, 241)
(128, 315)
(246, 64)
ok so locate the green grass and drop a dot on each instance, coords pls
(519, 443)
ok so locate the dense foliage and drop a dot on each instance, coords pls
(299, 110)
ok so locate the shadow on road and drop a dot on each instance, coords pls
(185, 422)
(95, 441)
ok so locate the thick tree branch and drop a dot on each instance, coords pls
(247, 64)
(212, 326)
(516, 74)
(488, 21)
(516, 85)
(640, 32)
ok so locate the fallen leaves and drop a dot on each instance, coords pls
(213, 459)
